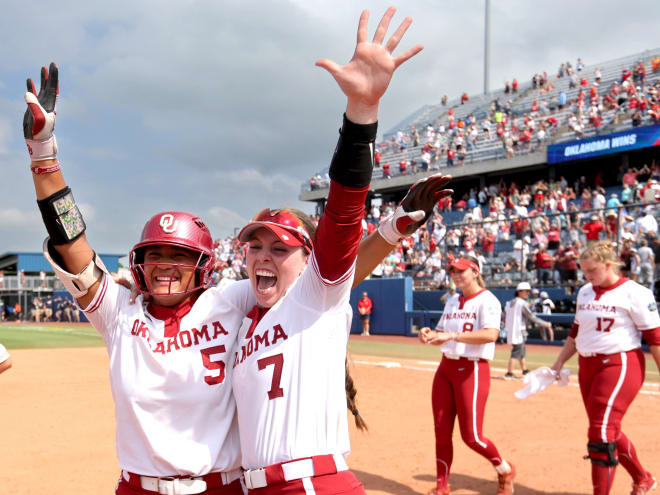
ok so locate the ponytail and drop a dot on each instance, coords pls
(351, 391)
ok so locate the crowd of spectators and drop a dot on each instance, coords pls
(450, 140)
(42, 309)
(531, 232)
(534, 231)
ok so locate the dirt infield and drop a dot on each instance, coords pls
(57, 430)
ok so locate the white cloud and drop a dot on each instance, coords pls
(223, 221)
(88, 211)
(204, 106)
(255, 180)
(13, 218)
(6, 135)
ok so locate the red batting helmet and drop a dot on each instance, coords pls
(179, 229)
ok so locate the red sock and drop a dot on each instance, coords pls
(444, 456)
(628, 457)
(602, 478)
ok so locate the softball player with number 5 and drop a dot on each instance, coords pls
(612, 315)
(467, 333)
(175, 412)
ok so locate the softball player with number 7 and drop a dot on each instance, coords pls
(612, 315)
(467, 332)
(288, 376)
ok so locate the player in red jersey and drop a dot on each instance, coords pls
(612, 315)
(467, 333)
(365, 306)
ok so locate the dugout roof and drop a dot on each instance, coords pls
(35, 262)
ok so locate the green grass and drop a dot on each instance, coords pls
(535, 359)
(35, 336)
(429, 353)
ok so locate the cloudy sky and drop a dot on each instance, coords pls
(216, 107)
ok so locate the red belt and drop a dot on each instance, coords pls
(181, 484)
(464, 359)
(293, 470)
(601, 355)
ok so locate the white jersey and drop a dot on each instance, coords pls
(173, 402)
(452, 298)
(4, 354)
(514, 322)
(547, 306)
(481, 310)
(612, 322)
(289, 373)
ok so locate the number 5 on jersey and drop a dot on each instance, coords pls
(213, 365)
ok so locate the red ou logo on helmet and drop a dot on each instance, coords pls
(168, 224)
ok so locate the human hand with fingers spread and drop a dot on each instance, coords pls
(366, 77)
(415, 209)
(39, 118)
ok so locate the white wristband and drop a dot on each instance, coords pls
(388, 232)
(42, 150)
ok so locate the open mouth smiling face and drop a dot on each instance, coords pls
(169, 271)
(272, 266)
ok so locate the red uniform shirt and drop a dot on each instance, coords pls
(488, 243)
(568, 259)
(543, 259)
(366, 304)
(593, 229)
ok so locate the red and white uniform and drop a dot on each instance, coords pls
(462, 381)
(610, 320)
(170, 374)
(365, 304)
(289, 380)
(482, 310)
(608, 328)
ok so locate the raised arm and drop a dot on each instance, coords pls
(363, 80)
(413, 211)
(66, 248)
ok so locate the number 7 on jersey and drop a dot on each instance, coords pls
(278, 362)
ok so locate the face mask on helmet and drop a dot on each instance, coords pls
(177, 230)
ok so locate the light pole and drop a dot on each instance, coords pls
(486, 46)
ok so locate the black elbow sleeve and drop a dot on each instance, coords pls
(353, 160)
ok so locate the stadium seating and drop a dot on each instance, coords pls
(521, 103)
